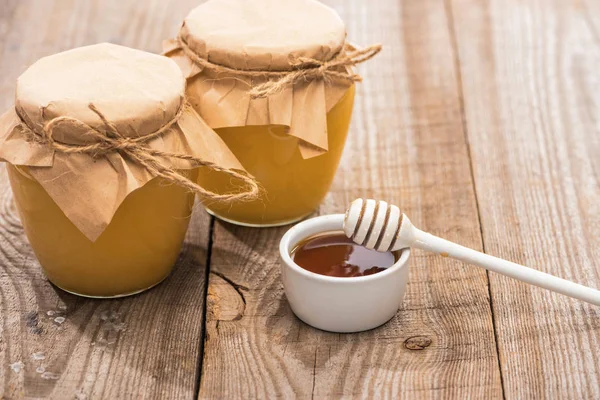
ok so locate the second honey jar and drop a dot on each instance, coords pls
(102, 158)
(274, 79)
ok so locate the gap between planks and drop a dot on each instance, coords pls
(463, 120)
(198, 380)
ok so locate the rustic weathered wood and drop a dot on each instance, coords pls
(146, 346)
(407, 146)
(531, 81)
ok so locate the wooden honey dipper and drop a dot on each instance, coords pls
(377, 225)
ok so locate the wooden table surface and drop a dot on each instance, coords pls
(481, 119)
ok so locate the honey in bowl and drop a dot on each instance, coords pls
(333, 254)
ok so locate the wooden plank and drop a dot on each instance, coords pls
(407, 146)
(145, 346)
(530, 80)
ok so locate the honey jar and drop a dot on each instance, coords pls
(274, 79)
(103, 152)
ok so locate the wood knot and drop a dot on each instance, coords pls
(32, 321)
(417, 342)
(226, 300)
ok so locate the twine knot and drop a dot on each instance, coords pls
(302, 68)
(138, 150)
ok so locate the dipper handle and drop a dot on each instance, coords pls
(429, 242)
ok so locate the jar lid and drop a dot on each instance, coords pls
(263, 34)
(96, 123)
(138, 92)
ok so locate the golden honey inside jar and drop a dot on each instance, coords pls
(102, 159)
(137, 250)
(293, 187)
(274, 80)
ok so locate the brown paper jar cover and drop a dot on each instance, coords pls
(262, 35)
(137, 92)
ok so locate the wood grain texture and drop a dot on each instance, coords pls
(407, 145)
(146, 346)
(530, 81)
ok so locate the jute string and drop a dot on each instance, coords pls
(301, 68)
(138, 150)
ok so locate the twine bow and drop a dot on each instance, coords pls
(302, 68)
(138, 150)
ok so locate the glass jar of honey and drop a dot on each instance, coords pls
(102, 152)
(274, 79)
(293, 186)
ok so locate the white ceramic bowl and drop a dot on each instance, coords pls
(339, 304)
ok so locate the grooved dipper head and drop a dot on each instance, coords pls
(377, 225)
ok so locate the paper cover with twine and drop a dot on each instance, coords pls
(138, 94)
(221, 38)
